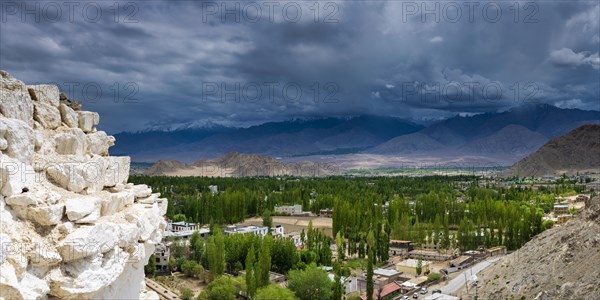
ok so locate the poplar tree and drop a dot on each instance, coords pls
(250, 275)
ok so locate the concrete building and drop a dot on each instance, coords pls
(409, 266)
(429, 255)
(461, 261)
(386, 275)
(495, 251)
(560, 209)
(327, 213)
(400, 247)
(214, 189)
(297, 238)
(381, 277)
(563, 219)
(184, 230)
(162, 253)
(252, 229)
(289, 209)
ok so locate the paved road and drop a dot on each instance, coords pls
(459, 282)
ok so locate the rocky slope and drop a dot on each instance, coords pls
(576, 151)
(236, 164)
(560, 263)
(71, 226)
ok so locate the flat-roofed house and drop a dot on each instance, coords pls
(409, 266)
(561, 209)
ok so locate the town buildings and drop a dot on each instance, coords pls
(289, 209)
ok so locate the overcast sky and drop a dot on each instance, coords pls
(242, 63)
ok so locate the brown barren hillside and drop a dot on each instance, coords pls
(576, 151)
(236, 164)
(560, 263)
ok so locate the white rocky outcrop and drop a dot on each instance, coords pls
(71, 226)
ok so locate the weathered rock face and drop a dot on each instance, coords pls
(71, 226)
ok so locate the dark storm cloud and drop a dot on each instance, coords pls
(240, 63)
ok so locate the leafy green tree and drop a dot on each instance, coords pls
(267, 219)
(188, 267)
(310, 284)
(222, 288)
(340, 245)
(338, 287)
(186, 294)
(264, 263)
(197, 246)
(283, 255)
(250, 275)
(172, 264)
(369, 276)
(150, 267)
(199, 271)
(179, 218)
(272, 292)
(216, 253)
(419, 267)
(433, 276)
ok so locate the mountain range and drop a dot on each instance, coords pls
(288, 138)
(509, 136)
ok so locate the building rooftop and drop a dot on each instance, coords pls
(387, 289)
(400, 241)
(186, 232)
(183, 224)
(412, 263)
(496, 248)
(459, 260)
(426, 252)
(385, 272)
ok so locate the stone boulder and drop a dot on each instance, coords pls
(68, 116)
(47, 115)
(98, 143)
(71, 142)
(47, 93)
(88, 120)
(15, 101)
(19, 139)
(86, 241)
(83, 209)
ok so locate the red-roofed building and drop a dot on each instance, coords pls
(388, 291)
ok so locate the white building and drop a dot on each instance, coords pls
(256, 230)
(214, 189)
(184, 230)
(289, 209)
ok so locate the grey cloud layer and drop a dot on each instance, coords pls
(154, 61)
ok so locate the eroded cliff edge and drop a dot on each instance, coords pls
(71, 225)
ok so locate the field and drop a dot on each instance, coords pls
(178, 281)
